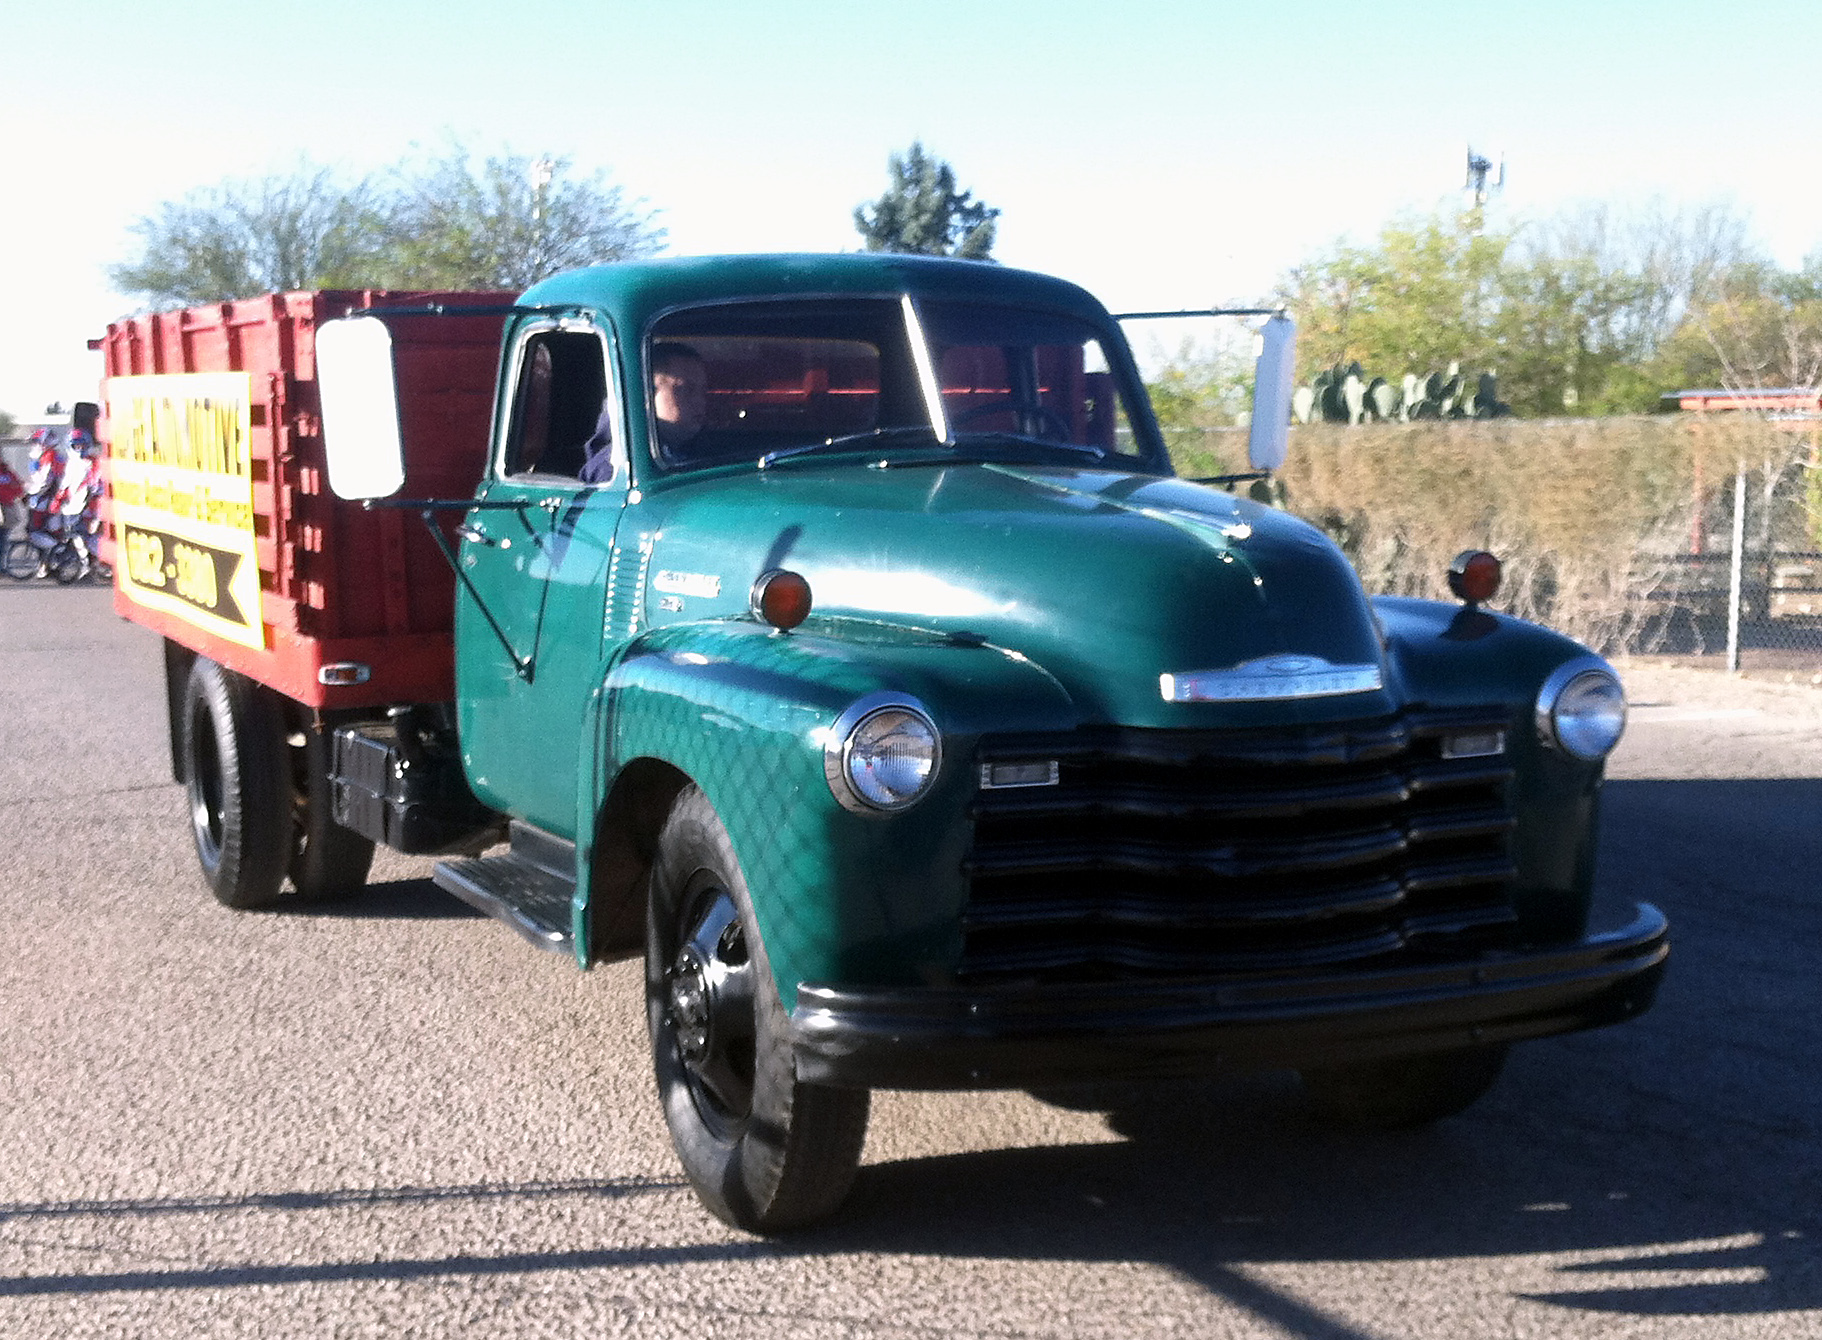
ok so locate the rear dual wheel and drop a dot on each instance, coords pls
(235, 774)
(327, 861)
(259, 806)
(763, 1151)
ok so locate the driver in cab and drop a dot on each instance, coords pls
(680, 394)
(680, 384)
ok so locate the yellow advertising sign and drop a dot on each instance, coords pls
(182, 461)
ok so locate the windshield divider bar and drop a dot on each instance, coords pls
(926, 372)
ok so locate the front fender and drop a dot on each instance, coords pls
(1447, 655)
(745, 712)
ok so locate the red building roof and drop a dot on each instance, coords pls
(1784, 399)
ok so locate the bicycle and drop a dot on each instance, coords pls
(67, 559)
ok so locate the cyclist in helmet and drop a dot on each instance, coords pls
(79, 495)
(42, 492)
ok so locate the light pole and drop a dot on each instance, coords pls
(542, 170)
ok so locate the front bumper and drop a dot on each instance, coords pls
(1024, 1037)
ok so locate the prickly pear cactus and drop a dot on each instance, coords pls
(1353, 396)
(1346, 394)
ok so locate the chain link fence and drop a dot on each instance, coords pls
(1749, 589)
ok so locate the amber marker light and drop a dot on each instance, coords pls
(781, 598)
(1474, 576)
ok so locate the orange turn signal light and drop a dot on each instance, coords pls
(781, 598)
(1474, 576)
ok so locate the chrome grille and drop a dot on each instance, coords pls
(1167, 852)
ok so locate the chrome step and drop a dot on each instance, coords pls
(529, 887)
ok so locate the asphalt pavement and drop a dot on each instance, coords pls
(390, 1117)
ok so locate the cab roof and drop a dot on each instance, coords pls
(634, 292)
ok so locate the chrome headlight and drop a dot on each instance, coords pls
(1581, 709)
(882, 754)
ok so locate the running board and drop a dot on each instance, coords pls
(529, 888)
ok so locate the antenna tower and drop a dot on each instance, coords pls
(1479, 169)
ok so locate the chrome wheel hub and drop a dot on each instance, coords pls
(710, 1007)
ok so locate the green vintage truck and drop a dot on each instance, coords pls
(833, 633)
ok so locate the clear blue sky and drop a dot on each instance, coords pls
(1160, 152)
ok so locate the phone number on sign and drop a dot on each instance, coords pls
(183, 568)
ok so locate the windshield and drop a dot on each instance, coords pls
(762, 381)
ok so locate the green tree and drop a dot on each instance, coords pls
(1680, 256)
(1758, 327)
(1416, 300)
(307, 229)
(443, 222)
(1590, 297)
(1558, 333)
(508, 221)
(1574, 313)
(1201, 387)
(1196, 392)
(922, 213)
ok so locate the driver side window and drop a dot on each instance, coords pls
(562, 419)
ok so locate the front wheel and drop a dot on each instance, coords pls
(1405, 1092)
(22, 560)
(763, 1151)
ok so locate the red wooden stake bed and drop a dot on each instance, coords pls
(219, 520)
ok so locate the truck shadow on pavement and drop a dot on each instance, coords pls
(1671, 1166)
(1668, 1167)
(1230, 1187)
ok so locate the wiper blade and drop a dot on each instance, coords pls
(1054, 444)
(847, 442)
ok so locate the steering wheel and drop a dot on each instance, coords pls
(1051, 423)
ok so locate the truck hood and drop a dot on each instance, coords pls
(1105, 580)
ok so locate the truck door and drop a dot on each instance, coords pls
(537, 556)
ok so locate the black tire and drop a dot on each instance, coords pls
(22, 559)
(764, 1152)
(1404, 1093)
(66, 564)
(327, 861)
(235, 766)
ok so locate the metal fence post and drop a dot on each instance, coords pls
(1736, 568)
